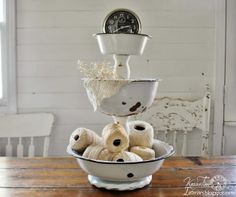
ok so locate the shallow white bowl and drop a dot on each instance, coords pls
(125, 171)
(122, 44)
(133, 98)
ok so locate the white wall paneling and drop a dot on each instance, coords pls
(81, 35)
(70, 85)
(55, 5)
(161, 51)
(73, 116)
(54, 100)
(56, 68)
(53, 34)
(162, 18)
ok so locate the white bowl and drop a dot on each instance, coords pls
(122, 44)
(125, 171)
(134, 97)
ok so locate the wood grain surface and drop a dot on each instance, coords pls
(63, 177)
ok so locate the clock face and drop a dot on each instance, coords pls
(122, 21)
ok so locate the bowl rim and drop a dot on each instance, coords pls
(169, 153)
(142, 35)
(127, 80)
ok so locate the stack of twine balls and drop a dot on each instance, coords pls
(115, 143)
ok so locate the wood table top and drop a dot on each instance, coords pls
(179, 176)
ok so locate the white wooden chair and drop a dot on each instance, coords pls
(174, 115)
(27, 126)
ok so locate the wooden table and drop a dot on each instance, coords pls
(63, 177)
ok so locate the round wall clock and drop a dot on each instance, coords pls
(122, 21)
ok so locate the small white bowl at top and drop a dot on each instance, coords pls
(122, 44)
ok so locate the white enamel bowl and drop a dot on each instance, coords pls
(125, 171)
(122, 44)
(133, 98)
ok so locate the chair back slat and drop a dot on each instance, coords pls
(31, 149)
(206, 119)
(20, 148)
(9, 148)
(155, 134)
(184, 147)
(165, 136)
(205, 145)
(46, 146)
(174, 142)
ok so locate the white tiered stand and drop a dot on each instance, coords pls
(125, 175)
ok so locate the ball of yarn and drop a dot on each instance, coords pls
(126, 156)
(140, 133)
(93, 151)
(115, 137)
(144, 152)
(81, 138)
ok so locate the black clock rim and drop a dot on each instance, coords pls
(125, 10)
(122, 33)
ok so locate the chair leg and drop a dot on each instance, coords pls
(9, 148)
(155, 134)
(205, 145)
(20, 148)
(184, 147)
(165, 136)
(175, 142)
(31, 149)
(46, 146)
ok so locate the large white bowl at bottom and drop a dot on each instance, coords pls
(125, 171)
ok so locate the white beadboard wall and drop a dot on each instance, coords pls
(53, 34)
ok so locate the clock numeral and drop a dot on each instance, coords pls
(132, 20)
(121, 14)
(111, 21)
(110, 28)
